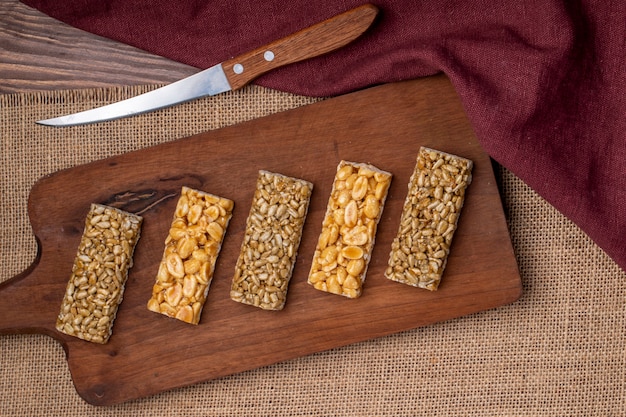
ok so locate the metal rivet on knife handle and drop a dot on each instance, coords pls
(313, 41)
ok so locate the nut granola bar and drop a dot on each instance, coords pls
(191, 250)
(96, 285)
(271, 241)
(429, 219)
(349, 228)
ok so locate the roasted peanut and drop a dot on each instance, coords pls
(191, 249)
(349, 228)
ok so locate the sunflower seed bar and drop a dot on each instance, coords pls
(419, 252)
(191, 250)
(349, 228)
(96, 285)
(271, 241)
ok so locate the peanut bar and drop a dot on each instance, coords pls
(191, 250)
(96, 285)
(271, 241)
(348, 231)
(431, 211)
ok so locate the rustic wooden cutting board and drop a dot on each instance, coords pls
(149, 353)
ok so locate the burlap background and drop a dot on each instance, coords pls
(559, 351)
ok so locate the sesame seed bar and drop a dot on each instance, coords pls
(271, 241)
(349, 228)
(99, 273)
(191, 250)
(429, 218)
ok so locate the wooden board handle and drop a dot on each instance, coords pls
(313, 41)
(25, 301)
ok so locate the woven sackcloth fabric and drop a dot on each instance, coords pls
(560, 350)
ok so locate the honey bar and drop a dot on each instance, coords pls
(430, 215)
(348, 231)
(271, 241)
(191, 250)
(96, 285)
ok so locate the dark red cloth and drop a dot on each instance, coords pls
(543, 82)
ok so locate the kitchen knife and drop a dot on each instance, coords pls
(235, 73)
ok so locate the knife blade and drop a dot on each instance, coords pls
(235, 73)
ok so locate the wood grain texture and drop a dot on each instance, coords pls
(149, 353)
(41, 53)
(307, 43)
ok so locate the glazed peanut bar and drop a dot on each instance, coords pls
(96, 285)
(191, 250)
(348, 232)
(271, 241)
(429, 219)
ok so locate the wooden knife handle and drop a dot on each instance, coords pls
(313, 41)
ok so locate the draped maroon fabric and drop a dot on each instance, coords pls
(543, 82)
